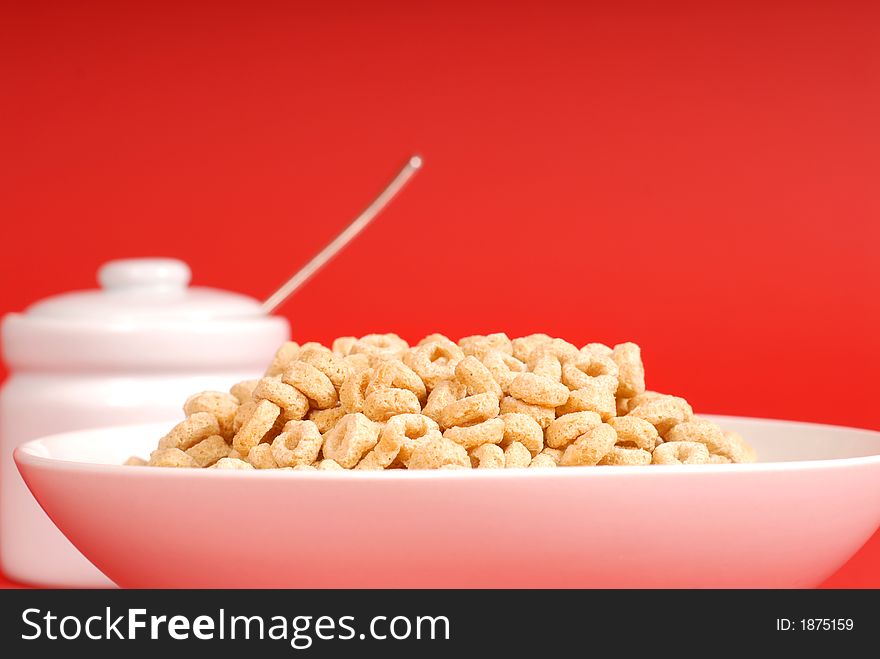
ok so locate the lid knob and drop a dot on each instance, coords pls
(144, 274)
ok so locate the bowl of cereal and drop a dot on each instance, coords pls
(486, 462)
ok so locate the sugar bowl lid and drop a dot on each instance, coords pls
(144, 315)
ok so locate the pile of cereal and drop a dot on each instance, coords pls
(485, 402)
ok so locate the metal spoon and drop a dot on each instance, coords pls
(345, 236)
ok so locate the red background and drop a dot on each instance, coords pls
(697, 177)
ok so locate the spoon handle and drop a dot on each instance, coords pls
(345, 236)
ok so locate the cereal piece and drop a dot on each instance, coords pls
(478, 345)
(590, 448)
(490, 431)
(382, 404)
(553, 453)
(594, 370)
(135, 461)
(622, 405)
(524, 429)
(310, 381)
(522, 347)
(170, 457)
(599, 349)
(350, 439)
(326, 361)
(299, 444)
(516, 455)
(342, 346)
(542, 461)
(538, 390)
(718, 459)
(231, 463)
(450, 467)
(547, 366)
(634, 431)
(487, 456)
(567, 428)
(357, 362)
(209, 450)
(628, 357)
(258, 424)
(675, 453)
(434, 362)
(303, 468)
(446, 392)
(543, 415)
(644, 397)
(292, 402)
(559, 348)
(391, 438)
(243, 413)
(663, 413)
(393, 373)
(326, 419)
(623, 456)
(353, 392)
(738, 450)
(283, 358)
(380, 346)
(243, 391)
(260, 456)
(469, 410)
(474, 375)
(503, 368)
(235, 454)
(595, 397)
(411, 430)
(222, 406)
(437, 453)
(191, 431)
(329, 465)
(702, 431)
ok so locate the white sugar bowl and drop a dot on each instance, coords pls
(130, 352)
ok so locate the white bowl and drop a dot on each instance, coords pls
(789, 521)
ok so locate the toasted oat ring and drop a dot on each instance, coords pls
(382, 404)
(380, 346)
(478, 345)
(298, 444)
(559, 348)
(326, 361)
(283, 358)
(437, 453)
(474, 375)
(702, 431)
(738, 450)
(315, 385)
(591, 370)
(350, 439)
(596, 349)
(329, 465)
(632, 430)
(631, 377)
(243, 391)
(434, 362)
(663, 413)
(590, 448)
(291, 400)
(469, 410)
(222, 405)
(411, 430)
(326, 419)
(191, 431)
(256, 426)
(595, 397)
(503, 367)
(674, 453)
(522, 428)
(524, 345)
(623, 456)
(353, 392)
(487, 456)
(260, 456)
(544, 416)
(446, 392)
(386, 450)
(209, 450)
(171, 457)
(553, 453)
(538, 390)
(393, 373)
(567, 428)
(490, 431)
(546, 365)
(231, 463)
(516, 456)
(342, 345)
(542, 461)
